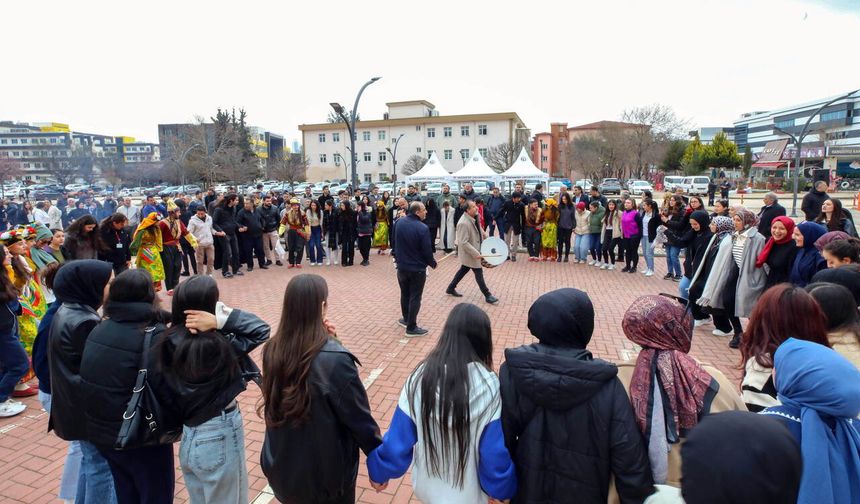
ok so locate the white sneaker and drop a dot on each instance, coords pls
(11, 408)
(717, 332)
(649, 273)
(335, 262)
(611, 267)
(328, 262)
(590, 262)
(702, 322)
(604, 266)
(598, 264)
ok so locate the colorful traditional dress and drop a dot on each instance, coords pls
(549, 237)
(380, 232)
(147, 246)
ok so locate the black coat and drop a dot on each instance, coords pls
(118, 256)
(766, 216)
(317, 461)
(330, 226)
(677, 227)
(569, 427)
(224, 219)
(271, 218)
(252, 220)
(514, 215)
(811, 204)
(109, 367)
(779, 263)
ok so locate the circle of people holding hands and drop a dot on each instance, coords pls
(123, 379)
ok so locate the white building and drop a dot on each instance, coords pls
(453, 138)
(833, 141)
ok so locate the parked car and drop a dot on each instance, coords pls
(671, 182)
(637, 187)
(585, 184)
(610, 186)
(555, 187)
(77, 187)
(695, 185)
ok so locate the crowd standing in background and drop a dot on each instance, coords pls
(82, 316)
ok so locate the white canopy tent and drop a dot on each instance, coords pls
(476, 169)
(432, 171)
(523, 169)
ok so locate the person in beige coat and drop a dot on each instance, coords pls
(469, 238)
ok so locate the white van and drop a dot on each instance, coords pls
(670, 183)
(696, 185)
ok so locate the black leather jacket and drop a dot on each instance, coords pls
(199, 402)
(317, 461)
(70, 328)
(271, 218)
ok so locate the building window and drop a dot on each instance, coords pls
(464, 154)
(464, 131)
(53, 140)
(833, 116)
(787, 123)
(543, 146)
(418, 150)
(483, 152)
(3, 141)
(335, 137)
(543, 158)
(449, 154)
(322, 158)
(381, 134)
(482, 129)
(382, 156)
(337, 159)
(418, 128)
(322, 137)
(367, 156)
(14, 140)
(430, 152)
(368, 178)
(447, 131)
(365, 136)
(431, 132)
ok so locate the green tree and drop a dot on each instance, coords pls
(693, 160)
(672, 160)
(721, 153)
(747, 166)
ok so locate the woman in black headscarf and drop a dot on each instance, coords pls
(847, 276)
(738, 457)
(570, 389)
(80, 287)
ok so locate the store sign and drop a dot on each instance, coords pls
(805, 152)
(843, 150)
(772, 151)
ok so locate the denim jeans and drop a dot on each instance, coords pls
(212, 458)
(684, 287)
(13, 362)
(315, 250)
(581, 247)
(648, 252)
(72, 466)
(500, 222)
(672, 261)
(594, 245)
(95, 483)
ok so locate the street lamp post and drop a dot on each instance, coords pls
(182, 161)
(394, 163)
(798, 143)
(350, 124)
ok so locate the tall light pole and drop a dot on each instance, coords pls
(798, 143)
(394, 163)
(350, 124)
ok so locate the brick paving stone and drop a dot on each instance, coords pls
(364, 304)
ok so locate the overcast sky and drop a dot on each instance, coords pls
(121, 68)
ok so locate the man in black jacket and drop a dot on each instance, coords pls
(271, 219)
(414, 254)
(771, 209)
(573, 414)
(224, 223)
(513, 213)
(250, 223)
(813, 200)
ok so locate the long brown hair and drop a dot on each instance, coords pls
(287, 357)
(783, 311)
(8, 292)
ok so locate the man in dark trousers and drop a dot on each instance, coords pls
(513, 212)
(469, 242)
(725, 186)
(712, 190)
(414, 254)
(771, 209)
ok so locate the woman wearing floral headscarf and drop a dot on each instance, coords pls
(779, 252)
(669, 390)
(734, 283)
(147, 246)
(809, 260)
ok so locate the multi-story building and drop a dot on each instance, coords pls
(550, 149)
(706, 135)
(265, 144)
(834, 141)
(421, 130)
(139, 152)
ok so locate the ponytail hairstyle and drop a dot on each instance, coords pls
(288, 355)
(845, 249)
(442, 381)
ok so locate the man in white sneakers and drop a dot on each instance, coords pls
(200, 225)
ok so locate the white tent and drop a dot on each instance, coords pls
(476, 169)
(523, 169)
(432, 171)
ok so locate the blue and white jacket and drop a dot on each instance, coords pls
(489, 469)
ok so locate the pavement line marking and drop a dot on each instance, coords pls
(367, 382)
(8, 428)
(265, 497)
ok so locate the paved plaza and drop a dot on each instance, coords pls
(364, 304)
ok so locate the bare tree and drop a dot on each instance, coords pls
(605, 153)
(501, 157)
(10, 169)
(655, 125)
(413, 164)
(335, 118)
(292, 168)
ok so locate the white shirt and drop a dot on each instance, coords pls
(55, 217)
(42, 217)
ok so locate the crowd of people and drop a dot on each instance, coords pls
(123, 379)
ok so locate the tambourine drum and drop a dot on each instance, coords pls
(494, 252)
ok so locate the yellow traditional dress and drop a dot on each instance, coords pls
(380, 232)
(549, 236)
(147, 246)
